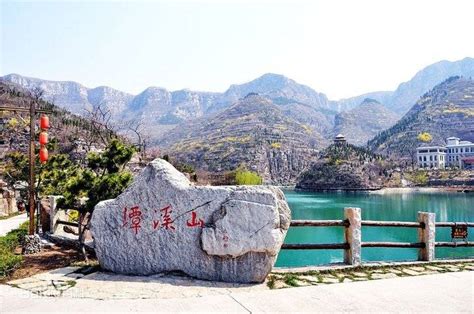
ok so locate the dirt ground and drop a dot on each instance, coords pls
(48, 259)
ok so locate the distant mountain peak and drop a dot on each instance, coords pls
(370, 101)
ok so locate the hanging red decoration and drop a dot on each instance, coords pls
(44, 122)
(43, 138)
(43, 154)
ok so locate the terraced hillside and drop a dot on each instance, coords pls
(447, 110)
(363, 122)
(253, 132)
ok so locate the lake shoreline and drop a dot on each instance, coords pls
(391, 190)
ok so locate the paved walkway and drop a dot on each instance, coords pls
(449, 292)
(6, 225)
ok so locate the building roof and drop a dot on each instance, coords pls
(340, 136)
(430, 147)
(453, 138)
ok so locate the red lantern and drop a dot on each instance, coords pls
(43, 155)
(44, 122)
(43, 138)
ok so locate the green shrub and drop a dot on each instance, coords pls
(8, 261)
(419, 177)
(73, 215)
(245, 177)
(8, 243)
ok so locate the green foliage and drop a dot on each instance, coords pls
(419, 177)
(56, 173)
(12, 123)
(73, 215)
(16, 166)
(186, 168)
(8, 243)
(103, 179)
(245, 177)
(113, 159)
(291, 280)
(425, 137)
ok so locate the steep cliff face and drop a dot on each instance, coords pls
(447, 110)
(364, 121)
(253, 132)
(344, 167)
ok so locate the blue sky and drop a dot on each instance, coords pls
(341, 47)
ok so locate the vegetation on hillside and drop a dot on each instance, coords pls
(425, 137)
(246, 177)
(444, 111)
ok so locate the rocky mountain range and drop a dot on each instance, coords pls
(407, 93)
(255, 133)
(167, 115)
(447, 110)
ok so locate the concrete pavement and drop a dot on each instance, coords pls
(448, 292)
(6, 225)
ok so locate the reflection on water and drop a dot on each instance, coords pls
(400, 207)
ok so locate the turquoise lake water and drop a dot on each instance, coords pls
(455, 207)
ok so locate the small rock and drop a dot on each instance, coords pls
(410, 272)
(383, 276)
(430, 267)
(311, 279)
(51, 292)
(34, 284)
(377, 271)
(469, 267)
(395, 271)
(302, 283)
(330, 280)
(416, 268)
(360, 278)
(31, 244)
(280, 285)
(359, 274)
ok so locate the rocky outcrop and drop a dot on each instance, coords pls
(162, 223)
(344, 167)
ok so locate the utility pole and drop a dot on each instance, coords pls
(31, 188)
(31, 156)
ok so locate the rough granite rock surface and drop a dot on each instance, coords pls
(163, 223)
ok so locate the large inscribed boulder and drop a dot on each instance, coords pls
(163, 223)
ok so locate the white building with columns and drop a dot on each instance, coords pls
(456, 153)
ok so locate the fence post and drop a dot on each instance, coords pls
(53, 203)
(353, 236)
(427, 236)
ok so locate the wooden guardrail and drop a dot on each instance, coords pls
(353, 229)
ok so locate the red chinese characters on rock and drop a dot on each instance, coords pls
(167, 222)
(132, 218)
(194, 222)
(134, 215)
